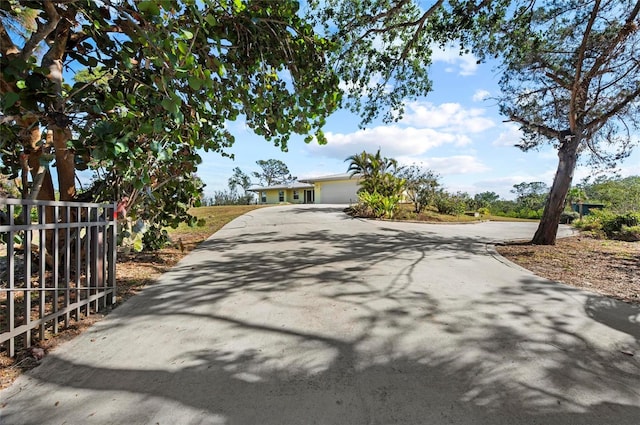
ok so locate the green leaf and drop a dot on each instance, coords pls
(195, 83)
(187, 34)
(21, 84)
(172, 105)
(211, 20)
(149, 7)
(10, 99)
(120, 147)
(182, 47)
(137, 244)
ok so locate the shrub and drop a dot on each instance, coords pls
(447, 203)
(630, 233)
(484, 211)
(377, 205)
(567, 217)
(609, 223)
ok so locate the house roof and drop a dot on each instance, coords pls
(331, 177)
(294, 185)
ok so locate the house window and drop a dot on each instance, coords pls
(263, 197)
(295, 195)
(281, 196)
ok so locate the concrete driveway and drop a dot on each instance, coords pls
(302, 315)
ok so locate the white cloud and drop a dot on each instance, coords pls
(447, 165)
(393, 141)
(510, 136)
(466, 64)
(480, 95)
(423, 128)
(447, 116)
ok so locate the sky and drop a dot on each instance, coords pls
(456, 131)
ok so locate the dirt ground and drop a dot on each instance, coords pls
(608, 267)
(611, 268)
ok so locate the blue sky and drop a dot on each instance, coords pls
(456, 131)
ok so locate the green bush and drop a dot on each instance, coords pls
(567, 217)
(630, 233)
(484, 211)
(377, 205)
(610, 224)
(447, 203)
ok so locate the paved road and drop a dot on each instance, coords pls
(301, 315)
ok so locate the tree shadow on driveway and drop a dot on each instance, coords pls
(391, 327)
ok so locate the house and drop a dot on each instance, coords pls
(332, 189)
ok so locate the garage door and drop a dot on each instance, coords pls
(344, 192)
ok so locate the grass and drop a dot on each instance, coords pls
(405, 212)
(211, 219)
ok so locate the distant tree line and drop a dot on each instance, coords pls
(272, 172)
(385, 186)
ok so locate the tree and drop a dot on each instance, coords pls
(273, 172)
(570, 78)
(421, 186)
(380, 187)
(239, 178)
(156, 82)
(385, 46)
(377, 172)
(621, 195)
(485, 199)
(531, 196)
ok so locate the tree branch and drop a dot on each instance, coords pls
(602, 119)
(43, 30)
(629, 27)
(579, 62)
(542, 129)
(7, 46)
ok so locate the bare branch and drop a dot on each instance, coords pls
(579, 62)
(542, 129)
(629, 27)
(619, 106)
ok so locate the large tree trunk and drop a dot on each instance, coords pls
(65, 164)
(548, 227)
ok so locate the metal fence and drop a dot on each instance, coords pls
(57, 264)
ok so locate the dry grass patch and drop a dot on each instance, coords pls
(608, 267)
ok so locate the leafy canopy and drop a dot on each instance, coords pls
(132, 90)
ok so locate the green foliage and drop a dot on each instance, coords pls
(421, 186)
(378, 205)
(484, 211)
(452, 204)
(377, 173)
(380, 188)
(485, 199)
(154, 83)
(530, 196)
(568, 217)
(611, 224)
(618, 194)
(273, 172)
